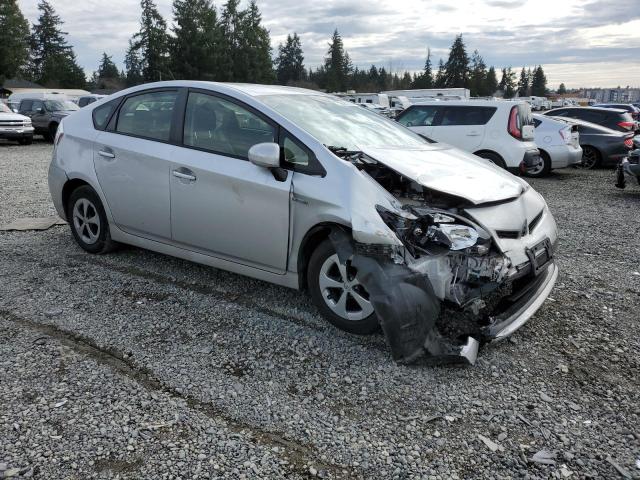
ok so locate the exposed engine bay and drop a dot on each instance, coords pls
(461, 273)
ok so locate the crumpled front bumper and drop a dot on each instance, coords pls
(522, 305)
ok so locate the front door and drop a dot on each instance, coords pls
(133, 164)
(221, 204)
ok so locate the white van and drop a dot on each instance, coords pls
(500, 131)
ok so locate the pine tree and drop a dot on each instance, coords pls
(231, 57)
(477, 75)
(523, 83)
(457, 66)
(562, 89)
(133, 66)
(290, 61)
(539, 82)
(508, 83)
(194, 46)
(440, 80)
(52, 62)
(425, 79)
(107, 76)
(14, 40)
(256, 43)
(490, 82)
(337, 65)
(152, 43)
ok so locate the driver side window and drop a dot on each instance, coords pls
(419, 116)
(37, 105)
(218, 125)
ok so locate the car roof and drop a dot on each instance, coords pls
(467, 103)
(584, 123)
(592, 109)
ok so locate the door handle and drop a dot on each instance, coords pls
(473, 134)
(184, 176)
(106, 154)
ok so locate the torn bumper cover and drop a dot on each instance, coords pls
(409, 310)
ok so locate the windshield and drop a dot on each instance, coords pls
(55, 105)
(4, 108)
(342, 124)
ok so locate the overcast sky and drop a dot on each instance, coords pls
(579, 42)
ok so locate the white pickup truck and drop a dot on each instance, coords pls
(14, 126)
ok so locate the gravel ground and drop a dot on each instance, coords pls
(137, 365)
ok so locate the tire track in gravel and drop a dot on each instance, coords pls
(299, 455)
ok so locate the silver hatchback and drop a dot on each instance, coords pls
(384, 228)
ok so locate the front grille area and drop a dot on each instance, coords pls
(515, 234)
(534, 223)
(14, 123)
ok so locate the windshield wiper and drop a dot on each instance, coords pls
(342, 151)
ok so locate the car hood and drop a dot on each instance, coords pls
(452, 171)
(13, 116)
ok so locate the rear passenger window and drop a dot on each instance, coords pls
(217, 125)
(467, 115)
(147, 115)
(102, 114)
(419, 116)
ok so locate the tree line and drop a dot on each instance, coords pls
(230, 45)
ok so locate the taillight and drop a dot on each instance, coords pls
(513, 128)
(627, 125)
(628, 142)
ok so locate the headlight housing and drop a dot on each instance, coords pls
(434, 232)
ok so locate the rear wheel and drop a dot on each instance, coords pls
(493, 158)
(590, 158)
(339, 296)
(88, 221)
(542, 168)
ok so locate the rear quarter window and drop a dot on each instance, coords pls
(467, 115)
(102, 114)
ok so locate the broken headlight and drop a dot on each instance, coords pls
(435, 232)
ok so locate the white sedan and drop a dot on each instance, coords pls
(559, 145)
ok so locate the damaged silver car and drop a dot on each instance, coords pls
(441, 249)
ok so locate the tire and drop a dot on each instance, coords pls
(26, 141)
(493, 158)
(591, 158)
(543, 169)
(88, 222)
(332, 295)
(51, 134)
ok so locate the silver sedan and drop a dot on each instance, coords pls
(384, 228)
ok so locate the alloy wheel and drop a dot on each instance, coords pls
(589, 158)
(86, 221)
(342, 292)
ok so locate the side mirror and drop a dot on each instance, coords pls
(265, 155)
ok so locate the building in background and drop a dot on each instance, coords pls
(604, 95)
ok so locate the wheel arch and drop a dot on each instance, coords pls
(68, 188)
(314, 237)
(491, 152)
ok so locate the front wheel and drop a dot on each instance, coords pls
(337, 293)
(88, 221)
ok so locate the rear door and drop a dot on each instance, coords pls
(463, 127)
(132, 160)
(222, 204)
(420, 118)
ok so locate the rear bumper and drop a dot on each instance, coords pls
(523, 305)
(530, 160)
(563, 156)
